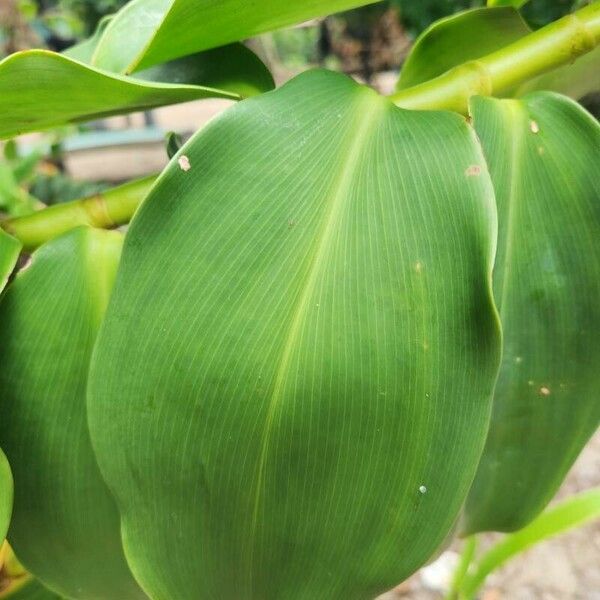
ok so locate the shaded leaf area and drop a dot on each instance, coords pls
(543, 154)
(149, 32)
(42, 89)
(65, 525)
(306, 320)
(472, 34)
(9, 254)
(29, 589)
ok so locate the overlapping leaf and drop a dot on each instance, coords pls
(543, 157)
(65, 526)
(41, 89)
(149, 32)
(298, 359)
(9, 253)
(474, 33)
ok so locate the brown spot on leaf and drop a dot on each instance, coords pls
(473, 171)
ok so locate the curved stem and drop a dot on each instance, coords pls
(466, 558)
(552, 46)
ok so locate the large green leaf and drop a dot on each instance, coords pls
(543, 157)
(41, 89)
(298, 359)
(65, 526)
(474, 33)
(147, 32)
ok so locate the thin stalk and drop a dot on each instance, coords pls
(543, 50)
(466, 558)
(105, 210)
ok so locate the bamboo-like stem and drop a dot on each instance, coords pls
(105, 210)
(552, 46)
(557, 44)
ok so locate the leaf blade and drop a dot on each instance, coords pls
(262, 306)
(540, 151)
(64, 527)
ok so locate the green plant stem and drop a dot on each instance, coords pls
(105, 210)
(571, 513)
(466, 558)
(548, 48)
(552, 46)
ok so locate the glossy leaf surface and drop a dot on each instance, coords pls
(298, 359)
(149, 32)
(41, 89)
(543, 156)
(474, 33)
(65, 526)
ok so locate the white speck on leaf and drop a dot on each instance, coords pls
(418, 266)
(519, 360)
(535, 128)
(184, 163)
(544, 391)
(422, 489)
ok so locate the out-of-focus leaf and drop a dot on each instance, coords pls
(573, 512)
(298, 359)
(6, 495)
(543, 156)
(42, 89)
(515, 3)
(174, 143)
(459, 38)
(29, 589)
(148, 32)
(84, 50)
(65, 525)
(474, 33)
(9, 253)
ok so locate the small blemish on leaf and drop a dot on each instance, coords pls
(473, 171)
(422, 489)
(540, 150)
(519, 360)
(184, 163)
(535, 128)
(544, 391)
(418, 266)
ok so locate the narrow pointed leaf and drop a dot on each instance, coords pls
(65, 526)
(474, 33)
(148, 32)
(302, 389)
(543, 156)
(569, 514)
(41, 89)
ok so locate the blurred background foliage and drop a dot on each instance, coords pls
(369, 42)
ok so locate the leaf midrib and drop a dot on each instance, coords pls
(368, 108)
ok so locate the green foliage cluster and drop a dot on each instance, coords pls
(340, 328)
